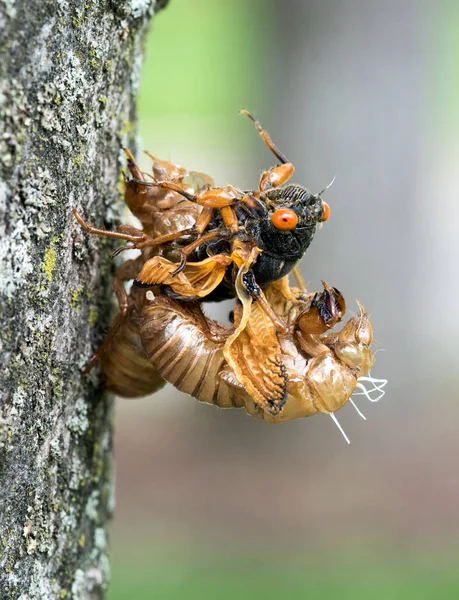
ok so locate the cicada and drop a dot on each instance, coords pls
(216, 230)
(218, 233)
(200, 243)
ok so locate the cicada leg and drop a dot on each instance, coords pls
(135, 192)
(299, 278)
(127, 271)
(325, 311)
(254, 290)
(265, 137)
(136, 236)
(209, 199)
(277, 175)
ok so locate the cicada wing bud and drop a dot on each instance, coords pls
(253, 352)
(163, 170)
(198, 181)
(196, 279)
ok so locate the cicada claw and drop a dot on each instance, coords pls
(326, 310)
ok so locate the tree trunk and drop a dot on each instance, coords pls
(69, 72)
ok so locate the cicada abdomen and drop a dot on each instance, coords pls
(187, 349)
(126, 369)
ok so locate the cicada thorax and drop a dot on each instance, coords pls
(187, 349)
(125, 367)
(177, 203)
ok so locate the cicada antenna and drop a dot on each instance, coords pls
(332, 415)
(327, 187)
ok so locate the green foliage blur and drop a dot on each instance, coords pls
(201, 58)
(244, 578)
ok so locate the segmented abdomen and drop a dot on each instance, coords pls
(176, 342)
(125, 367)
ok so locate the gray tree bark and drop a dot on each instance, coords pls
(69, 72)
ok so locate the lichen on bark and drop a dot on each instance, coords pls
(69, 72)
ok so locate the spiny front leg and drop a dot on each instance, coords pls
(326, 310)
(208, 237)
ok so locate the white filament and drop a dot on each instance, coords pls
(357, 409)
(332, 415)
(373, 394)
(378, 385)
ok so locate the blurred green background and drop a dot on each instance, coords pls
(211, 503)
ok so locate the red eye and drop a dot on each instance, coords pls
(284, 219)
(326, 212)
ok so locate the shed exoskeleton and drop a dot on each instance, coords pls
(238, 366)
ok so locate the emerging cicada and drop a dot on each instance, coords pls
(201, 242)
(218, 230)
(217, 233)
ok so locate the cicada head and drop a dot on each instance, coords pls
(283, 228)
